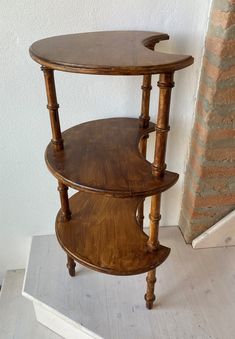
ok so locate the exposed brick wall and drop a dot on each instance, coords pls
(209, 189)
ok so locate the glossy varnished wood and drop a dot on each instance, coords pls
(113, 53)
(162, 127)
(144, 123)
(102, 156)
(104, 235)
(53, 108)
(107, 156)
(165, 84)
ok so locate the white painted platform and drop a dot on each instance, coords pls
(220, 234)
(17, 317)
(195, 294)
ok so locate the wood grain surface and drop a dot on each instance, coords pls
(107, 156)
(102, 156)
(104, 235)
(113, 53)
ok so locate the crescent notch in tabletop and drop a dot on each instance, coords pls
(108, 53)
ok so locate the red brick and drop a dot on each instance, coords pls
(216, 134)
(213, 172)
(200, 131)
(213, 200)
(207, 92)
(199, 168)
(224, 19)
(220, 47)
(217, 96)
(219, 134)
(216, 73)
(220, 154)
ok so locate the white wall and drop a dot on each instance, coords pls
(28, 198)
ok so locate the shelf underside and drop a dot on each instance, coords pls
(104, 235)
(103, 156)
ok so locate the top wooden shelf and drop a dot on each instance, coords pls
(107, 53)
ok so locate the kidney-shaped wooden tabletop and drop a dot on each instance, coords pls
(111, 53)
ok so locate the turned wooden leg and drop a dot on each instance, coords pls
(140, 214)
(66, 216)
(150, 296)
(154, 218)
(53, 107)
(153, 244)
(165, 84)
(144, 123)
(64, 200)
(71, 266)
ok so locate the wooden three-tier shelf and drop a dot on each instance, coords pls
(101, 226)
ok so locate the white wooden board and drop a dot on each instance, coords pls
(17, 318)
(220, 234)
(195, 293)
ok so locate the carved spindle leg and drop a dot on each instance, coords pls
(144, 123)
(165, 84)
(53, 108)
(158, 167)
(64, 200)
(150, 296)
(154, 217)
(66, 216)
(71, 266)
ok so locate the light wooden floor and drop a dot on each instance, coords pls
(17, 319)
(195, 293)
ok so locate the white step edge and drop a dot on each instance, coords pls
(113, 307)
(56, 321)
(59, 323)
(219, 235)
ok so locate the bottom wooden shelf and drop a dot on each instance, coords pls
(104, 235)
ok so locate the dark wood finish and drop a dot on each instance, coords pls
(144, 123)
(108, 156)
(65, 215)
(154, 217)
(102, 156)
(65, 211)
(150, 296)
(146, 89)
(159, 169)
(104, 235)
(113, 53)
(165, 84)
(71, 266)
(153, 244)
(53, 107)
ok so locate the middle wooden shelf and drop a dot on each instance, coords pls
(102, 156)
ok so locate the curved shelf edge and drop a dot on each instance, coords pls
(105, 236)
(102, 156)
(97, 45)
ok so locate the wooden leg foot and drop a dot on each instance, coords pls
(149, 296)
(71, 266)
(149, 304)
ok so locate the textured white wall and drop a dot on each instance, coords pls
(28, 198)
